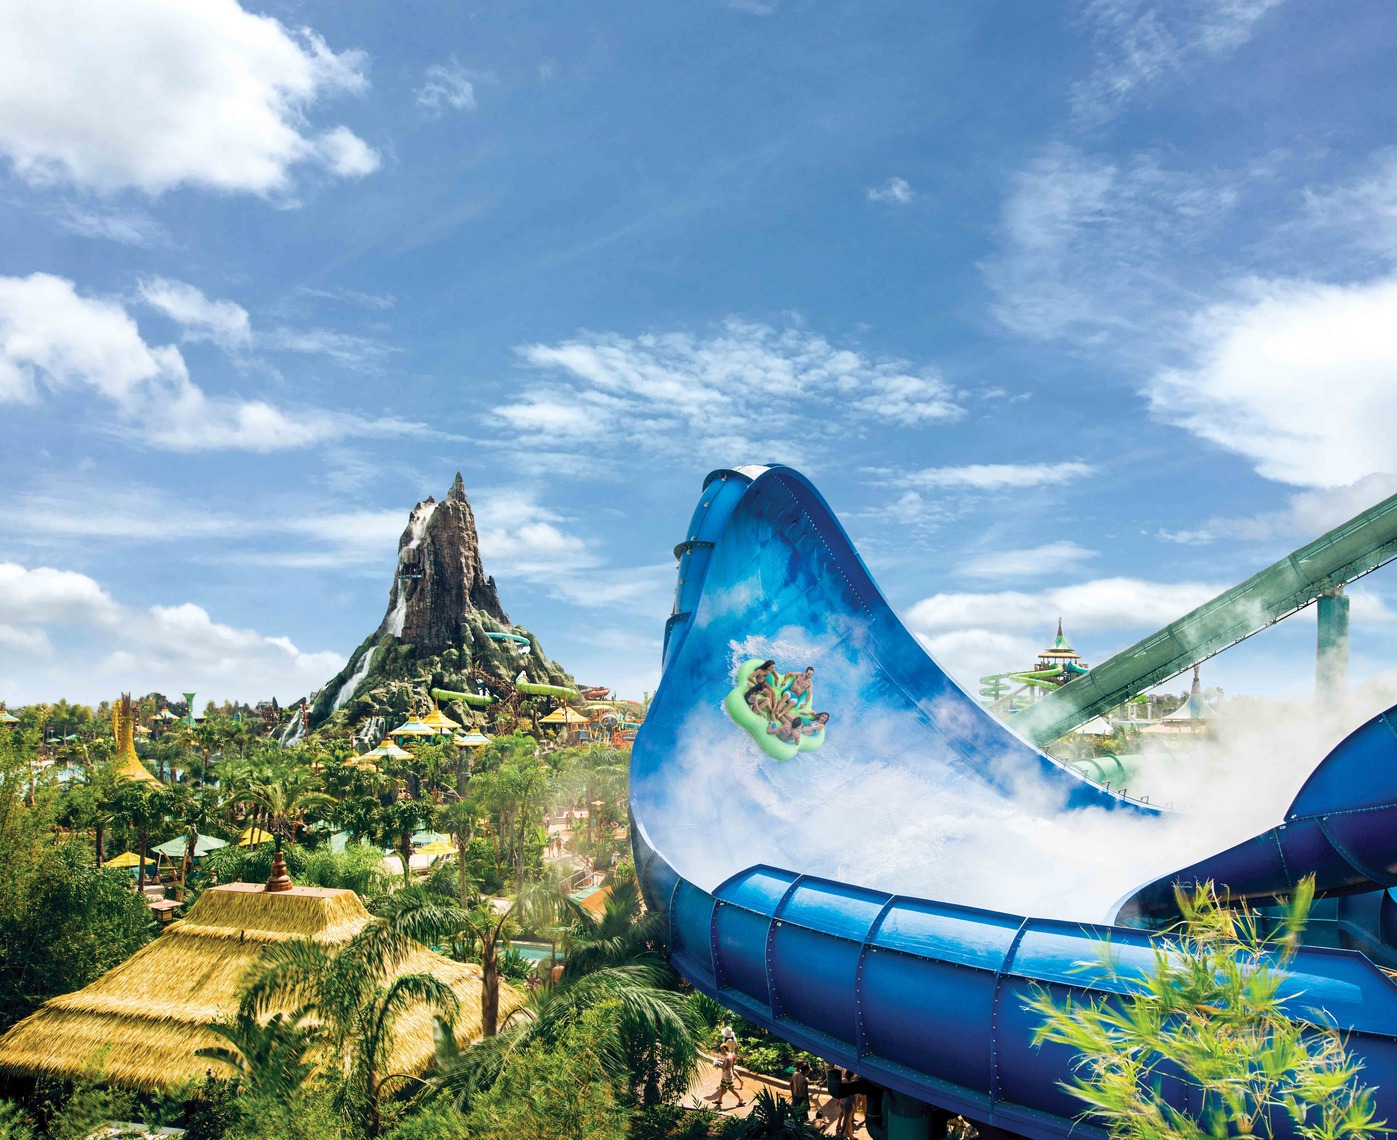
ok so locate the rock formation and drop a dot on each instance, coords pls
(437, 632)
(440, 578)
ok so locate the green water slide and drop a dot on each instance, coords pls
(475, 700)
(1346, 553)
(562, 692)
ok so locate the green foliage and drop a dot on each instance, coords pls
(353, 994)
(233, 864)
(773, 1117)
(270, 1058)
(670, 1122)
(359, 868)
(554, 1089)
(1211, 1014)
(15, 1124)
(63, 922)
(77, 1112)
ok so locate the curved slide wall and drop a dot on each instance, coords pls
(865, 898)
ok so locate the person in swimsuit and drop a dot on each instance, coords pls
(795, 691)
(760, 695)
(727, 1062)
(800, 1091)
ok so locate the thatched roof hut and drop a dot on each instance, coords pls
(139, 1024)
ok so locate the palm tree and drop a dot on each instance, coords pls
(146, 806)
(270, 1058)
(651, 1042)
(284, 800)
(622, 935)
(352, 992)
(415, 913)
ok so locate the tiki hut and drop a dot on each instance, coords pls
(139, 1024)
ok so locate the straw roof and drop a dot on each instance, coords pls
(387, 750)
(413, 728)
(7, 717)
(139, 1024)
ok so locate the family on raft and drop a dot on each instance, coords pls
(784, 699)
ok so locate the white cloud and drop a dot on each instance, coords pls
(53, 597)
(524, 540)
(448, 85)
(1100, 604)
(1298, 377)
(987, 476)
(1304, 517)
(896, 190)
(1141, 43)
(519, 535)
(165, 648)
(50, 334)
(346, 154)
(974, 634)
(223, 322)
(746, 390)
(153, 94)
(1032, 562)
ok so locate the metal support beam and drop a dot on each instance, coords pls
(1331, 649)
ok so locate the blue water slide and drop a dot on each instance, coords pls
(868, 897)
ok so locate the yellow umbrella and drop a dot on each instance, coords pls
(439, 847)
(253, 836)
(124, 861)
(563, 715)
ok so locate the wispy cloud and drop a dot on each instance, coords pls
(296, 534)
(1092, 247)
(1140, 44)
(126, 227)
(746, 389)
(223, 322)
(1305, 516)
(1028, 563)
(447, 85)
(984, 476)
(896, 190)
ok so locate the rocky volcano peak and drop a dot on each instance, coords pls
(445, 628)
(440, 578)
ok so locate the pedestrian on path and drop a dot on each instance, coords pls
(727, 1062)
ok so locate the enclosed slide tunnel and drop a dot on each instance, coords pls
(861, 889)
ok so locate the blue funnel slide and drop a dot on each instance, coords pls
(852, 853)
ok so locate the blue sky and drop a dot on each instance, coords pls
(1082, 309)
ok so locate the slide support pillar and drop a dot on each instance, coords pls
(909, 1119)
(1331, 649)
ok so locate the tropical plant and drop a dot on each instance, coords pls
(1212, 1015)
(773, 1117)
(285, 798)
(354, 994)
(637, 1018)
(270, 1058)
